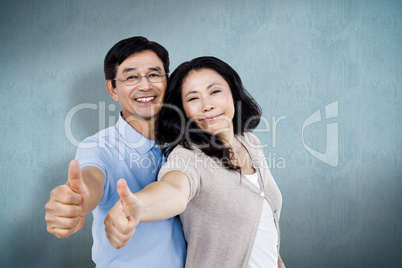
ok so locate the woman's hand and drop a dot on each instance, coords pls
(158, 201)
(122, 219)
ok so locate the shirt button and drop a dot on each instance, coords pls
(156, 146)
(262, 194)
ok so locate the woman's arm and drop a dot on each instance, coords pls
(165, 198)
(158, 201)
(280, 262)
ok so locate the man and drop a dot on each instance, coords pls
(136, 73)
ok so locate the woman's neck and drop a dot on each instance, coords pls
(228, 138)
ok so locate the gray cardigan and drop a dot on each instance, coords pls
(224, 208)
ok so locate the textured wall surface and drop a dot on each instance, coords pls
(326, 73)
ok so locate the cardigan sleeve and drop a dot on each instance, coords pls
(186, 161)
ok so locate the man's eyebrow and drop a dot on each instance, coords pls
(129, 69)
(158, 69)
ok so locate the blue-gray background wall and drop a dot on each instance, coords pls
(295, 57)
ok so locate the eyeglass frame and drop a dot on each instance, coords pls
(139, 78)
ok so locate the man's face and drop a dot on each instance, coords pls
(143, 100)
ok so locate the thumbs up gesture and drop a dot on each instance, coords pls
(66, 209)
(122, 219)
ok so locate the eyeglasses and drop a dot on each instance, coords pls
(130, 79)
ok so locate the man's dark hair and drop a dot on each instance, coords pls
(127, 47)
(170, 127)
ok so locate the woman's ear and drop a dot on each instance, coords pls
(112, 90)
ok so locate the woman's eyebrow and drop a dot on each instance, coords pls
(208, 87)
(191, 92)
(213, 84)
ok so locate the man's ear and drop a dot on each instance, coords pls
(112, 90)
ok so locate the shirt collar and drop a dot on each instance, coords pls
(134, 139)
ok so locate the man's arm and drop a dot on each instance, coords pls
(69, 203)
(158, 201)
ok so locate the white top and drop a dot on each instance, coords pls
(221, 205)
(265, 249)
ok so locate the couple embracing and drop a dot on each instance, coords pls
(208, 198)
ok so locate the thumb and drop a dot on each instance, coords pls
(75, 178)
(132, 205)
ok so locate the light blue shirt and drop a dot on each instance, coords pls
(121, 152)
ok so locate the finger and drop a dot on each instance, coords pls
(118, 220)
(60, 233)
(118, 228)
(116, 238)
(58, 209)
(75, 178)
(63, 227)
(131, 204)
(124, 191)
(80, 223)
(116, 242)
(65, 195)
(63, 222)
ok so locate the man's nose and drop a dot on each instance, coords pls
(144, 84)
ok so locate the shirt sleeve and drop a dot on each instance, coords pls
(186, 161)
(93, 153)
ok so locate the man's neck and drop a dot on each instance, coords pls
(143, 126)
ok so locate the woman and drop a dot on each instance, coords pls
(216, 176)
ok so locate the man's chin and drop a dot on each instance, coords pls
(142, 117)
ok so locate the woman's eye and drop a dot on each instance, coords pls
(215, 91)
(191, 99)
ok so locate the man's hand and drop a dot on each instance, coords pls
(68, 204)
(122, 219)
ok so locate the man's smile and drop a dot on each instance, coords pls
(145, 99)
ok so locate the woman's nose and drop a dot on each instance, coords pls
(208, 107)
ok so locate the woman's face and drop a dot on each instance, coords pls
(208, 101)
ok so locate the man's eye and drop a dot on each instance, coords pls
(132, 77)
(153, 75)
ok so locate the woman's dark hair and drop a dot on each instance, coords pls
(127, 47)
(175, 128)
